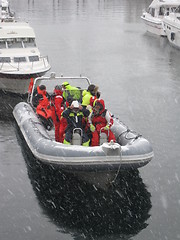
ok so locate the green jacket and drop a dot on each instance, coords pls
(86, 98)
(72, 92)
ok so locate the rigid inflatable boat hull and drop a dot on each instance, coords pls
(134, 153)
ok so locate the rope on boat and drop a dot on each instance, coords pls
(117, 173)
(137, 135)
(126, 132)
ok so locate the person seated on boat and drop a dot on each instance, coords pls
(57, 107)
(43, 108)
(71, 91)
(100, 120)
(63, 121)
(74, 116)
(38, 95)
(90, 95)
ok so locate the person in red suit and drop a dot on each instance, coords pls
(100, 120)
(57, 108)
(42, 104)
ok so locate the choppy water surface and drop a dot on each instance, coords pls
(138, 75)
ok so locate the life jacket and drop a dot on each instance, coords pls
(75, 120)
(99, 119)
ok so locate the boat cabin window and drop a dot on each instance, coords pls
(33, 58)
(161, 11)
(14, 43)
(21, 42)
(19, 59)
(4, 9)
(2, 44)
(151, 11)
(5, 60)
(29, 42)
(177, 10)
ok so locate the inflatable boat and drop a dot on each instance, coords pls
(130, 150)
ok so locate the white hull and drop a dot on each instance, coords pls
(172, 27)
(154, 26)
(16, 84)
(16, 78)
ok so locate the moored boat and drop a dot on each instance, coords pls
(20, 58)
(154, 15)
(130, 150)
(5, 13)
(172, 27)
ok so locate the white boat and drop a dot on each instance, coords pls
(154, 15)
(172, 27)
(5, 13)
(20, 58)
(130, 150)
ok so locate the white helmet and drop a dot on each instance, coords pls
(75, 104)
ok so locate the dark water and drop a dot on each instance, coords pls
(138, 75)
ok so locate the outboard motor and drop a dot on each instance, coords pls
(77, 136)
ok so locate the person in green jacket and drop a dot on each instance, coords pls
(71, 92)
(90, 95)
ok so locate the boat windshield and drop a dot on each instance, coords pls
(18, 43)
(151, 11)
(14, 43)
(29, 42)
(166, 10)
(81, 83)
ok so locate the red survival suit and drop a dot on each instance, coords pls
(99, 119)
(57, 109)
(43, 107)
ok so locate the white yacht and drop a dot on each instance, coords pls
(154, 15)
(172, 27)
(20, 58)
(5, 13)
